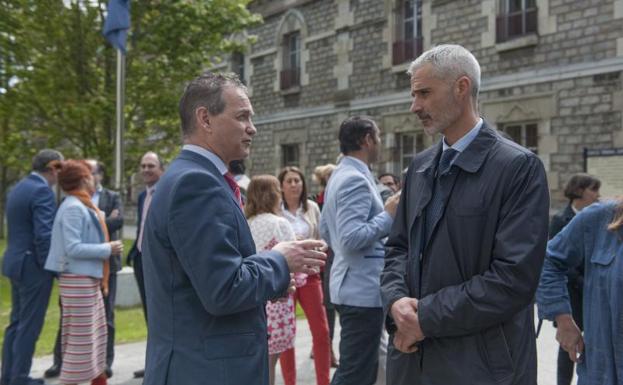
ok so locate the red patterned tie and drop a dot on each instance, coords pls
(234, 187)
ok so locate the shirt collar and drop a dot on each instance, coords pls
(212, 157)
(40, 177)
(462, 143)
(151, 189)
(99, 188)
(358, 164)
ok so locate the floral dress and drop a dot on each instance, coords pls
(268, 230)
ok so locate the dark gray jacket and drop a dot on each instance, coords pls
(109, 201)
(476, 277)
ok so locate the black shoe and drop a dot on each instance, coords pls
(108, 371)
(52, 371)
(139, 373)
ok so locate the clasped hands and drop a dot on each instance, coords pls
(405, 314)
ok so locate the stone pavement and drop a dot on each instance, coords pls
(130, 357)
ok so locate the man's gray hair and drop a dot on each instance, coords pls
(42, 162)
(450, 61)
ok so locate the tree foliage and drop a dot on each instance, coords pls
(64, 73)
(57, 75)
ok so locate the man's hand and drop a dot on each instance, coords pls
(405, 343)
(303, 256)
(569, 336)
(114, 214)
(404, 314)
(392, 203)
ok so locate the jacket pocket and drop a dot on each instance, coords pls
(498, 355)
(603, 257)
(232, 346)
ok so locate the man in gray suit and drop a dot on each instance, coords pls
(354, 222)
(465, 253)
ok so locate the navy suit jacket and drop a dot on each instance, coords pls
(30, 210)
(204, 282)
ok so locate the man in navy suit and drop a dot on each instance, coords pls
(152, 168)
(30, 210)
(206, 286)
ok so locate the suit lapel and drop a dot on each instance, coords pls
(103, 202)
(210, 167)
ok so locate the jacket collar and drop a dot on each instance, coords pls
(38, 177)
(470, 159)
(359, 166)
(210, 167)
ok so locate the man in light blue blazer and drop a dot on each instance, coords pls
(30, 209)
(354, 222)
(205, 285)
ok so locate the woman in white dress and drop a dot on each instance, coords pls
(268, 228)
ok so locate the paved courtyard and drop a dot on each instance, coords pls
(130, 357)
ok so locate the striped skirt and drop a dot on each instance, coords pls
(83, 325)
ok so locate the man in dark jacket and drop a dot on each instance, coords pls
(152, 168)
(465, 253)
(30, 210)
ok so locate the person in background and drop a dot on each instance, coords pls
(321, 176)
(109, 202)
(304, 216)
(152, 168)
(354, 222)
(269, 228)
(592, 239)
(390, 181)
(79, 252)
(30, 209)
(582, 190)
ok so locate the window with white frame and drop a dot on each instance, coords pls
(516, 18)
(526, 134)
(291, 69)
(409, 144)
(408, 38)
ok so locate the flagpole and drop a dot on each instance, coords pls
(120, 120)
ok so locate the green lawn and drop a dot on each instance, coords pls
(130, 324)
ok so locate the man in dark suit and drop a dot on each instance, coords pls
(151, 171)
(206, 286)
(464, 256)
(110, 203)
(30, 210)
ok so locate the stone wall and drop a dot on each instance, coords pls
(566, 78)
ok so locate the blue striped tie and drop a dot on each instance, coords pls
(434, 210)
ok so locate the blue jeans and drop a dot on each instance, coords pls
(359, 345)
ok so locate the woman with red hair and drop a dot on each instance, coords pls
(79, 252)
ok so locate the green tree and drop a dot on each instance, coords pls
(57, 75)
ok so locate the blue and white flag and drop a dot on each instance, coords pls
(117, 23)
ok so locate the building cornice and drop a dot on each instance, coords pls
(543, 75)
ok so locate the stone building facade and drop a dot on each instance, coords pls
(551, 75)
